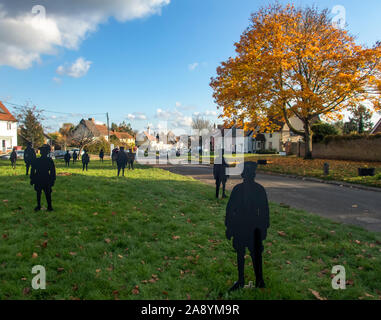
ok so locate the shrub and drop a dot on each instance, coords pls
(321, 130)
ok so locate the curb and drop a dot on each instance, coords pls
(332, 182)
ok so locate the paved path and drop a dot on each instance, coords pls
(342, 204)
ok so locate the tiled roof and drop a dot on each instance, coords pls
(122, 135)
(5, 115)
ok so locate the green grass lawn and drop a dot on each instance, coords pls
(157, 235)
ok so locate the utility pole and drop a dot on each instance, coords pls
(108, 128)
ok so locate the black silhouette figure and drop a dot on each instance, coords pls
(85, 161)
(121, 160)
(75, 156)
(130, 159)
(114, 155)
(43, 177)
(101, 155)
(67, 159)
(29, 157)
(13, 158)
(247, 220)
(219, 173)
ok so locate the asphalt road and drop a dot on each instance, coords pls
(341, 204)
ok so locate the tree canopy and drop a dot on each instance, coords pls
(294, 62)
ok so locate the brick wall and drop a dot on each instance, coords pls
(357, 149)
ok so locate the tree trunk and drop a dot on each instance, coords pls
(307, 141)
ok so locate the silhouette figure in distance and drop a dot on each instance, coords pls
(43, 177)
(85, 161)
(67, 159)
(219, 173)
(121, 160)
(29, 157)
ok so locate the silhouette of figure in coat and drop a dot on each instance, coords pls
(121, 160)
(13, 158)
(43, 177)
(67, 159)
(85, 161)
(114, 155)
(247, 220)
(130, 159)
(75, 156)
(29, 157)
(219, 173)
(101, 155)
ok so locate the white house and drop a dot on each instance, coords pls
(8, 130)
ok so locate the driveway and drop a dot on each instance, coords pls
(341, 204)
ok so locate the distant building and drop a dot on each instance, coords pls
(99, 131)
(8, 130)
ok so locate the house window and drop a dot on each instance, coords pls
(9, 126)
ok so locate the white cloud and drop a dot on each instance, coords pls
(193, 66)
(207, 113)
(25, 36)
(57, 80)
(136, 116)
(76, 70)
(175, 118)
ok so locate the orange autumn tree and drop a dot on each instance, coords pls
(295, 62)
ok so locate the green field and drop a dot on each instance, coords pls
(157, 235)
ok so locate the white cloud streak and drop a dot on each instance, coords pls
(76, 70)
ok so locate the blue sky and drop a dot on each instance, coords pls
(146, 69)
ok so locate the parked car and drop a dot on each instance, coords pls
(59, 154)
(20, 155)
(72, 151)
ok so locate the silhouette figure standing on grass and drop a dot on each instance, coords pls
(67, 158)
(29, 157)
(43, 177)
(247, 220)
(13, 158)
(131, 159)
(219, 173)
(75, 156)
(121, 161)
(101, 155)
(85, 161)
(114, 155)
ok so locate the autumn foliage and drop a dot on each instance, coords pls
(294, 62)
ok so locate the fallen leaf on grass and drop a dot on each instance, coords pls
(176, 237)
(165, 293)
(26, 291)
(282, 233)
(73, 253)
(34, 255)
(45, 244)
(107, 240)
(317, 295)
(135, 290)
